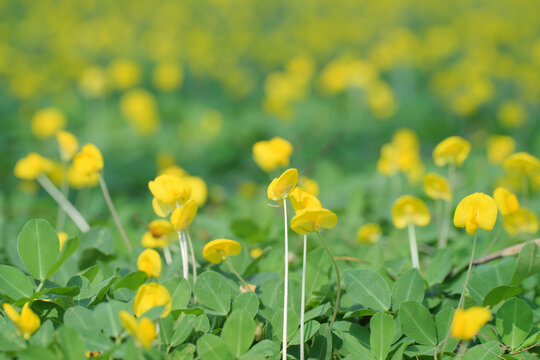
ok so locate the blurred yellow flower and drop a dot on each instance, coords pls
(219, 250)
(62, 238)
(124, 74)
(467, 323)
(151, 295)
(309, 184)
(139, 107)
(199, 190)
(271, 154)
(31, 166)
(369, 233)
(47, 122)
(475, 211)
(499, 147)
(149, 261)
(168, 191)
(506, 201)
(168, 75)
(182, 217)
(312, 220)
(79, 180)
(173, 170)
(68, 144)
(27, 321)
(280, 187)
(409, 209)
(521, 221)
(437, 187)
(453, 150)
(381, 100)
(159, 235)
(522, 164)
(89, 160)
(144, 330)
(93, 82)
(511, 114)
(255, 253)
(302, 199)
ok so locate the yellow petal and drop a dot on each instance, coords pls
(182, 217)
(302, 199)
(453, 150)
(151, 295)
(506, 201)
(409, 209)
(149, 261)
(217, 250)
(477, 210)
(146, 332)
(129, 322)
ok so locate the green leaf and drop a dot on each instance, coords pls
(239, 331)
(440, 266)
(180, 291)
(292, 324)
(70, 343)
(317, 270)
(368, 288)
(514, 322)
(382, 328)
(501, 293)
(322, 344)
(528, 263)
(38, 247)
(487, 277)
(443, 321)
(211, 347)
(35, 352)
(490, 350)
(417, 323)
(131, 281)
(69, 248)
(107, 319)
(408, 287)
(183, 328)
(14, 283)
(248, 301)
(212, 291)
(261, 351)
(79, 317)
(310, 329)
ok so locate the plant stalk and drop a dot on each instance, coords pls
(338, 278)
(114, 214)
(413, 247)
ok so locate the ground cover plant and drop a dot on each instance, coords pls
(222, 180)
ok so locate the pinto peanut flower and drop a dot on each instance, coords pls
(181, 218)
(271, 154)
(149, 261)
(219, 250)
(522, 164)
(369, 233)
(279, 188)
(31, 166)
(302, 199)
(47, 122)
(467, 323)
(144, 330)
(27, 321)
(506, 201)
(68, 145)
(151, 295)
(522, 221)
(408, 211)
(499, 147)
(168, 191)
(313, 220)
(475, 211)
(453, 150)
(438, 188)
(159, 234)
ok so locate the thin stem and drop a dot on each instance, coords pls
(183, 252)
(167, 255)
(64, 188)
(445, 225)
(193, 261)
(338, 289)
(41, 283)
(303, 303)
(64, 203)
(238, 276)
(286, 280)
(114, 214)
(413, 247)
(462, 297)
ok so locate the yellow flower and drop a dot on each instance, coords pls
(255, 253)
(280, 187)
(173, 169)
(511, 114)
(369, 233)
(159, 234)
(139, 107)
(499, 147)
(453, 150)
(312, 220)
(168, 191)
(309, 184)
(182, 217)
(150, 262)
(522, 221)
(467, 323)
(437, 187)
(79, 180)
(219, 250)
(89, 160)
(47, 122)
(301, 199)
(409, 209)
(68, 144)
(387, 164)
(93, 82)
(475, 211)
(62, 238)
(27, 321)
(506, 201)
(31, 166)
(124, 73)
(522, 164)
(167, 76)
(271, 154)
(151, 295)
(199, 190)
(144, 330)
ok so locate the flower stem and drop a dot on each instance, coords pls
(167, 255)
(286, 280)
(303, 303)
(445, 226)
(183, 252)
(64, 188)
(413, 247)
(114, 214)
(64, 203)
(462, 297)
(238, 276)
(338, 277)
(193, 261)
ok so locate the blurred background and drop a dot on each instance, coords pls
(197, 83)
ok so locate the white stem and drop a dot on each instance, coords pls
(64, 188)
(193, 261)
(64, 203)
(113, 212)
(412, 245)
(286, 281)
(183, 251)
(303, 304)
(445, 227)
(167, 255)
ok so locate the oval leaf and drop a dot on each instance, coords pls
(368, 288)
(38, 247)
(211, 347)
(14, 283)
(408, 287)
(382, 334)
(514, 321)
(417, 323)
(239, 332)
(212, 291)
